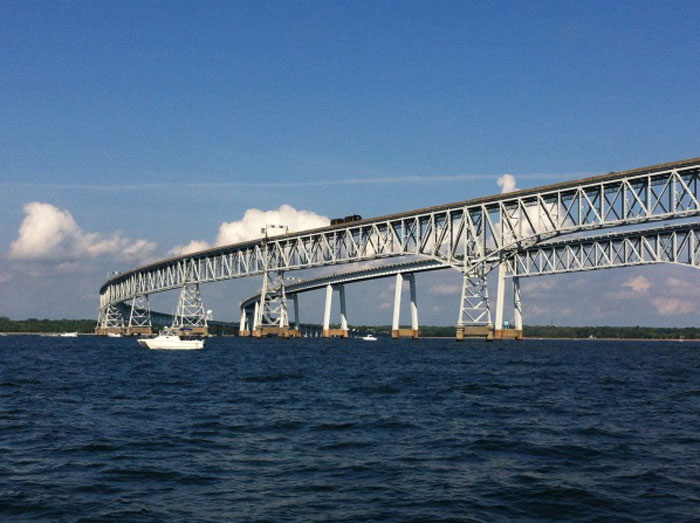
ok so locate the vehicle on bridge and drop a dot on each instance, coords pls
(347, 219)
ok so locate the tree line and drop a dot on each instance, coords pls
(36, 325)
(428, 331)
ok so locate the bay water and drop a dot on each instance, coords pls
(99, 429)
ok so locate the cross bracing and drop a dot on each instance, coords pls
(677, 244)
(673, 244)
(463, 235)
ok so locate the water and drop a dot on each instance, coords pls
(95, 429)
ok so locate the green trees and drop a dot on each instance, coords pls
(36, 325)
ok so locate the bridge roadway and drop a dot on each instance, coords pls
(469, 236)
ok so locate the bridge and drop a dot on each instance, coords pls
(621, 219)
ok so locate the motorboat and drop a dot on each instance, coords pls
(368, 337)
(68, 335)
(169, 339)
(113, 335)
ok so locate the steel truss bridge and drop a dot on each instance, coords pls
(621, 219)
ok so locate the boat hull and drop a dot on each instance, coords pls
(171, 344)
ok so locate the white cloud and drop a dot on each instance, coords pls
(669, 306)
(193, 246)
(536, 310)
(688, 287)
(540, 285)
(507, 183)
(253, 220)
(638, 284)
(445, 289)
(249, 227)
(50, 233)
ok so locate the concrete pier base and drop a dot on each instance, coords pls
(197, 332)
(103, 331)
(507, 334)
(280, 332)
(405, 333)
(334, 333)
(138, 331)
(467, 332)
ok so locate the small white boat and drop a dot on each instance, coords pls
(113, 335)
(169, 339)
(68, 335)
(368, 337)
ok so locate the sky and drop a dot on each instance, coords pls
(130, 131)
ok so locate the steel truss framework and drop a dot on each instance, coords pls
(676, 244)
(140, 312)
(463, 235)
(190, 309)
(474, 309)
(110, 317)
(272, 311)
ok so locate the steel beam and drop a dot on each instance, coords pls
(463, 235)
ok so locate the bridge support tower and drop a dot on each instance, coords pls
(396, 330)
(243, 327)
(271, 318)
(474, 314)
(190, 318)
(139, 317)
(110, 321)
(342, 332)
(499, 332)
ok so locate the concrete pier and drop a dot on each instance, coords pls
(396, 330)
(465, 332)
(342, 332)
(280, 332)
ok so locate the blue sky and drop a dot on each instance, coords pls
(159, 121)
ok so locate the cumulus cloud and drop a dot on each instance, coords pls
(50, 233)
(638, 284)
(669, 306)
(507, 183)
(193, 246)
(253, 220)
(249, 227)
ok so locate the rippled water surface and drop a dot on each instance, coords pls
(95, 429)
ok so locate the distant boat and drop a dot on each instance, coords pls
(168, 339)
(368, 337)
(68, 335)
(113, 335)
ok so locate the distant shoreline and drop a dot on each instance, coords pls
(526, 338)
(571, 339)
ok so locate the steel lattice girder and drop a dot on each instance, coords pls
(140, 312)
(273, 303)
(190, 309)
(678, 245)
(462, 235)
(111, 317)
